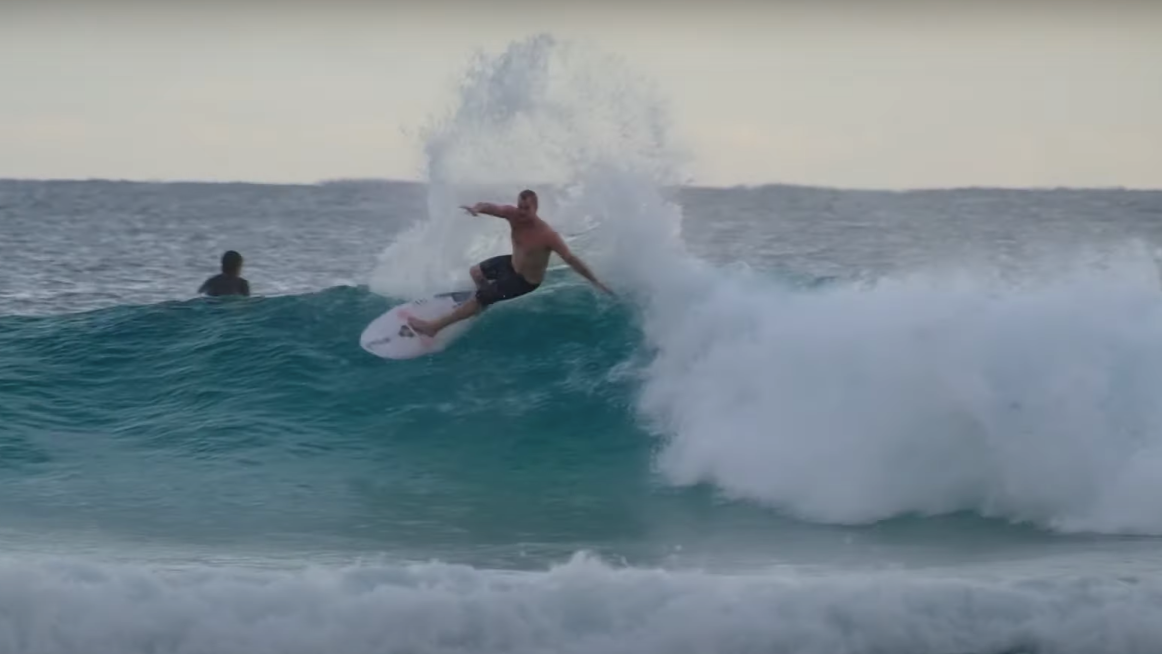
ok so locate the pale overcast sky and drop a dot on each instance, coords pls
(871, 95)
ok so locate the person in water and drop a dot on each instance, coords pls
(229, 281)
(508, 276)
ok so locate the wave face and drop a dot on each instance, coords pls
(264, 416)
(835, 405)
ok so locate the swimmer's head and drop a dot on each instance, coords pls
(231, 263)
(527, 202)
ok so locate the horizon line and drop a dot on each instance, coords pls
(691, 186)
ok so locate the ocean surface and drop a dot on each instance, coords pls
(812, 420)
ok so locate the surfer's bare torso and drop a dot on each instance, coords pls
(506, 277)
(533, 242)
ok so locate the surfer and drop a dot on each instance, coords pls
(508, 276)
(229, 281)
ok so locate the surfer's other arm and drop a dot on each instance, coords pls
(498, 210)
(557, 244)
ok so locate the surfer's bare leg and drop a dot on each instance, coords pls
(462, 312)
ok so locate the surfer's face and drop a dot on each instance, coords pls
(527, 203)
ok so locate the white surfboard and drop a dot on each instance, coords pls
(389, 336)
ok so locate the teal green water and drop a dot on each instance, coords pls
(263, 416)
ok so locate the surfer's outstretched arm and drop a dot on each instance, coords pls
(558, 245)
(498, 210)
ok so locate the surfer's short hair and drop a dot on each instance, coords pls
(231, 261)
(527, 193)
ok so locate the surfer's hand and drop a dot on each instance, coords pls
(471, 210)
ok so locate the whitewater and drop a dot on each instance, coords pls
(813, 420)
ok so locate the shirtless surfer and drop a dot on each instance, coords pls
(508, 276)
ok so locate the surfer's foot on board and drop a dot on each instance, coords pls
(422, 326)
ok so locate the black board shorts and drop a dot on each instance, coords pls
(506, 284)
